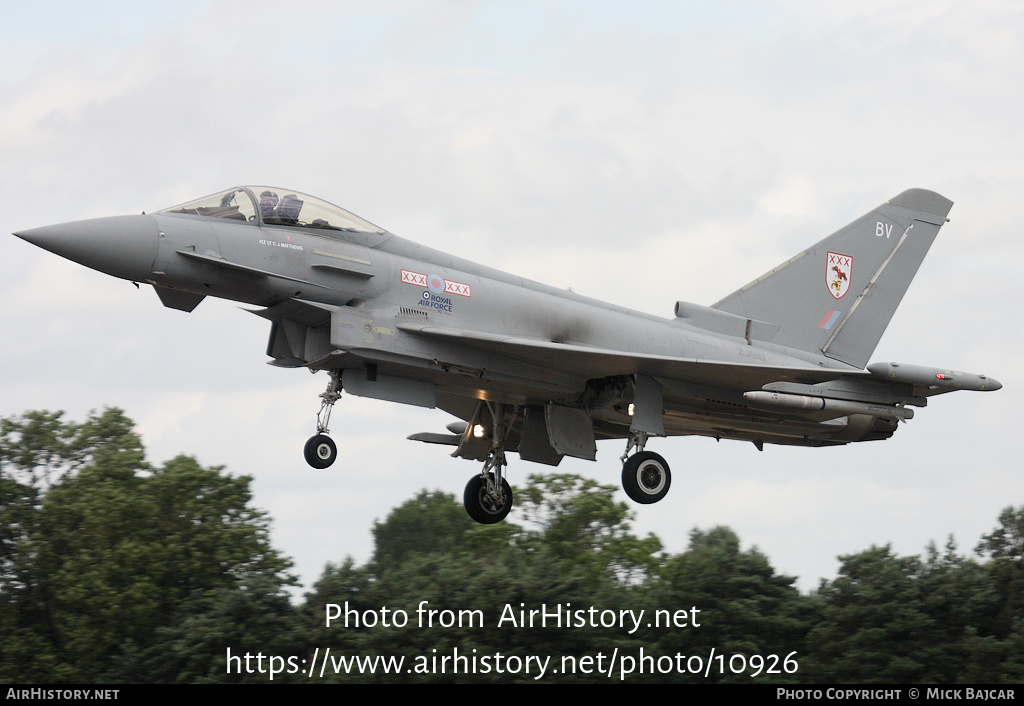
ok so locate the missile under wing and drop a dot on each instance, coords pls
(535, 370)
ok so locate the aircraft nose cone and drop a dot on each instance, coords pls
(122, 246)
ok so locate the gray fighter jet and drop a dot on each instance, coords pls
(536, 370)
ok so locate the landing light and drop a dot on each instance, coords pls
(631, 409)
(478, 431)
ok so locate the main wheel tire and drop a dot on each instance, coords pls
(483, 508)
(645, 477)
(320, 451)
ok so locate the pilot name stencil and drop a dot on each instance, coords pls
(277, 244)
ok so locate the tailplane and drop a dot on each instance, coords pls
(837, 297)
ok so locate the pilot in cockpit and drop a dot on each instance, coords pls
(268, 205)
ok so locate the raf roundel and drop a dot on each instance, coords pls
(435, 284)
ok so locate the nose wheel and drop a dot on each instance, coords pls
(320, 450)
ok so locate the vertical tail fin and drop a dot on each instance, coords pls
(838, 296)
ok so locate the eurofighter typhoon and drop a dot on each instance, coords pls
(536, 370)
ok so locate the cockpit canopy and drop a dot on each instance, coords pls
(271, 206)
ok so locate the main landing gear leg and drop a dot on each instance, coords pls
(488, 496)
(320, 450)
(645, 474)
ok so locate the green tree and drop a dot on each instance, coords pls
(112, 549)
(1004, 550)
(874, 627)
(1002, 648)
(580, 521)
(745, 607)
(901, 620)
(255, 618)
(576, 551)
(428, 523)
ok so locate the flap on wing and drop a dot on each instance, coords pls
(596, 362)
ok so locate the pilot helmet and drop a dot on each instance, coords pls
(268, 200)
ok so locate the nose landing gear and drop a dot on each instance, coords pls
(320, 450)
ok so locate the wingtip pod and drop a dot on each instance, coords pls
(924, 201)
(933, 378)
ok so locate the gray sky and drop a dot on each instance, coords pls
(639, 153)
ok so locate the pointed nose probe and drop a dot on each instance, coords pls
(122, 246)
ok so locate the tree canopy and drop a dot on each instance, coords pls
(106, 550)
(113, 569)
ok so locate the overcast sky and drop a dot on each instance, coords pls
(637, 152)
